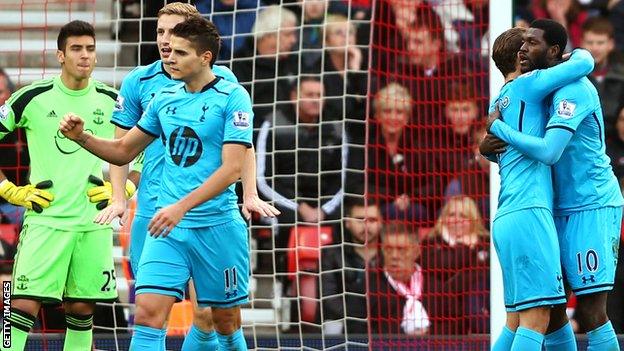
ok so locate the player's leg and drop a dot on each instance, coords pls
(527, 245)
(590, 247)
(560, 335)
(91, 278)
(79, 320)
(505, 339)
(39, 274)
(162, 277)
(201, 336)
(220, 266)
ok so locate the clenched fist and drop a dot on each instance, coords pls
(72, 126)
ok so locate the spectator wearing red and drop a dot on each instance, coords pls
(608, 74)
(399, 299)
(568, 13)
(456, 254)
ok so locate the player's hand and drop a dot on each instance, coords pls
(32, 197)
(165, 220)
(492, 145)
(72, 126)
(252, 203)
(102, 193)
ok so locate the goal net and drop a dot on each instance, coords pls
(367, 115)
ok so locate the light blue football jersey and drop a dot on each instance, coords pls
(583, 178)
(137, 90)
(527, 183)
(194, 128)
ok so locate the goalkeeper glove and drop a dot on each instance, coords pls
(102, 194)
(32, 197)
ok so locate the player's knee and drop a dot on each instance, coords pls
(536, 319)
(29, 306)
(152, 312)
(226, 320)
(558, 318)
(591, 310)
(80, 308)
(202, 318)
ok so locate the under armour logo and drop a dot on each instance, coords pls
(590, 279)
(171, 110)
(204, 109)
(231, 294)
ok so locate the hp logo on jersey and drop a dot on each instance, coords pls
(185, 147)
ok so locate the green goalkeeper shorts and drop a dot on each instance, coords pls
(54, 265)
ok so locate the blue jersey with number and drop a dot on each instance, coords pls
(137, 90)
(194, 128)
(527, 183)
(583, 178)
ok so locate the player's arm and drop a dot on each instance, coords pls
(117, 151)
(547, 150)
(251, 201)
(541, 83)
(32, 197)
(233, 160)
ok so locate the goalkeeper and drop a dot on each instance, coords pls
(63, 256)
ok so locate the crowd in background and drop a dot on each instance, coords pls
(367, 121)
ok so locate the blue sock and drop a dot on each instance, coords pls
(197, 339)
(562, 339)
(504, 341)
(527, 340)
(146, 339)
(233, 342)
(163, 333)
(602, 338)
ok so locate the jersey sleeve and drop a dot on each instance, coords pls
(10, 119)
(128, 110)
(238, 118)
(569, 108)
(149, 122)
(540, 83)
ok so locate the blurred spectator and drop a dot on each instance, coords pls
(359, 11)
(397, 171)
(14, 155)
(473, 179)
(457, 139)
(473, 34)
(609, 68)
(398, 295)
(299, 160)
(615, 146)
(267, 66)
(343, 267)
(567, 12)
(344, 71)
(456, 254)
(313, 17)
(7, 253)
(233, 18)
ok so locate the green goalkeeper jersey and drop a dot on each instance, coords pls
(38, 108)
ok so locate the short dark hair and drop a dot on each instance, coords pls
(399, 227)
(426, 18)
(202, 34)
(75, 28)
(599, 25)
(505, 49)
(554, 33)
(352, 201)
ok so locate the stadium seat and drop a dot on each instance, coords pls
(304, 247)
(8, 233)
